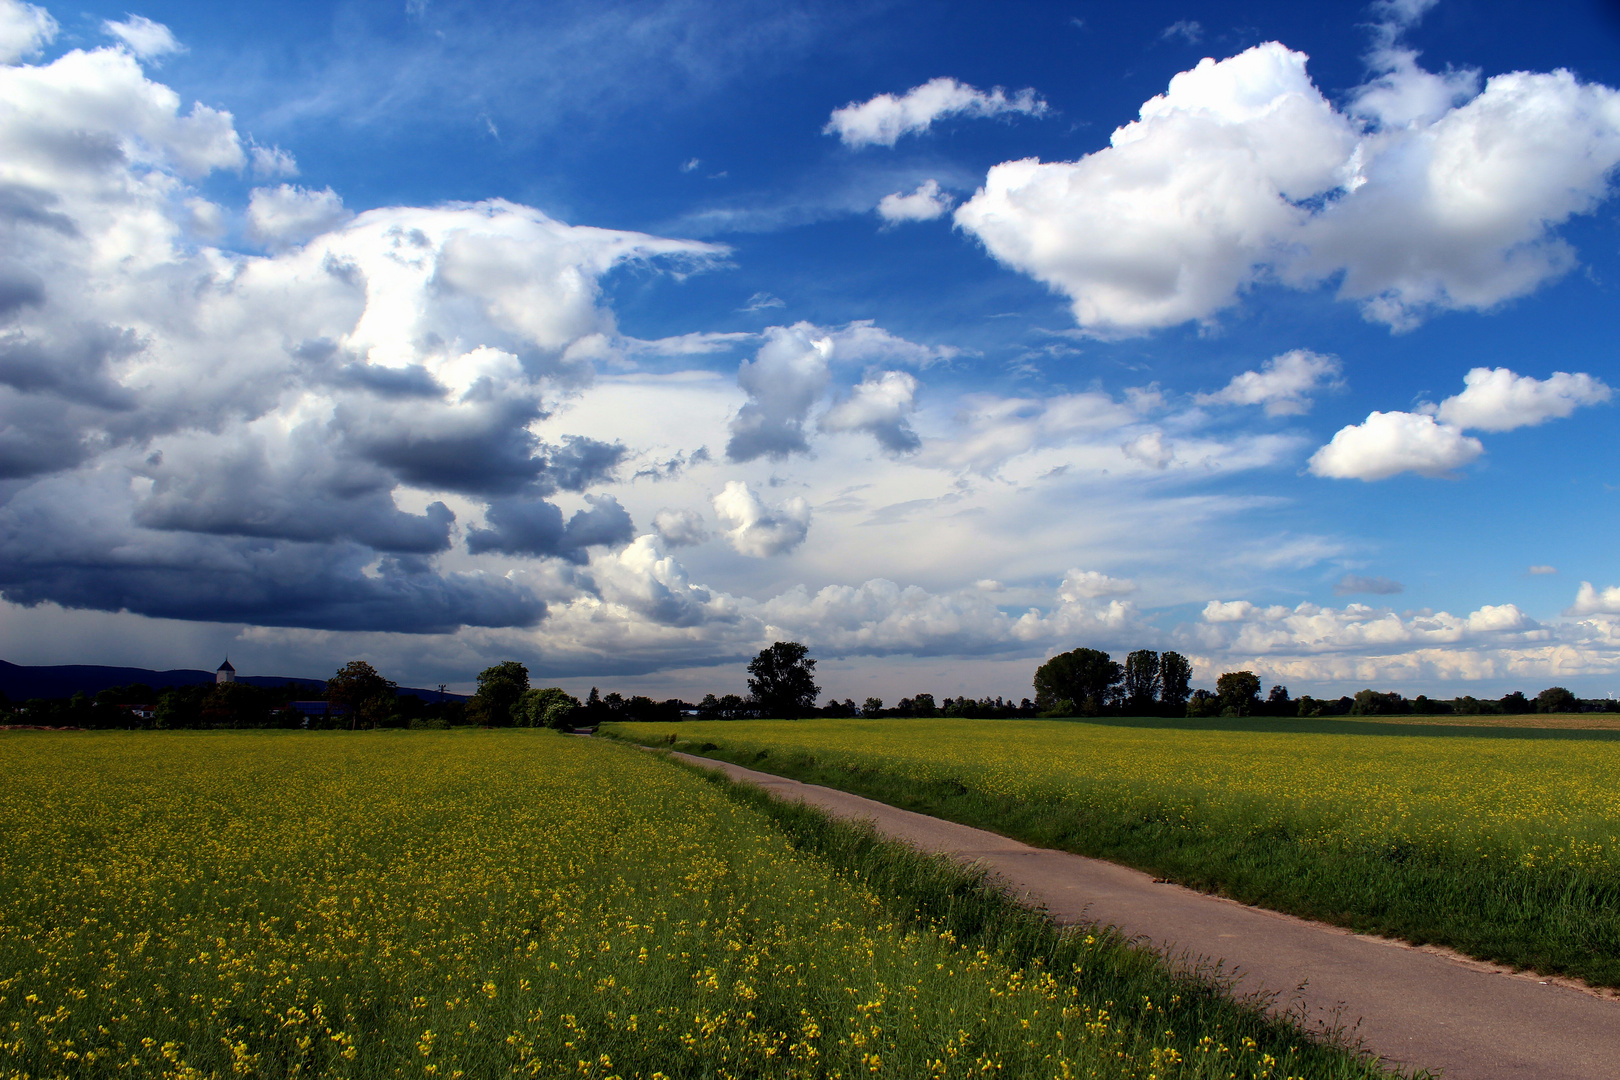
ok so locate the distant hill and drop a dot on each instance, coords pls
(20, 683)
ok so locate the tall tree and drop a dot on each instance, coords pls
(1142, 681)
(784, 680)
(1084, 680)
(1239, 692)
(1556, 699)
(1278, 703)
(1175, 675)
(499, 690)
(1515, 703)
(358, 687)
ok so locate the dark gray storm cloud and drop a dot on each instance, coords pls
(536, 528)
(72, 366)
(292, 488)
(19, 289)
(23, 204)
(277, 437)
(581, 462)
(324, 587)
(483, 448)
(38, 436)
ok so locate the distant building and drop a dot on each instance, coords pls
(226, 673)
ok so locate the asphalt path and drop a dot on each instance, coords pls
(1414, 1007)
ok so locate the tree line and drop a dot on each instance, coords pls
(1089, 682)
(781, 684)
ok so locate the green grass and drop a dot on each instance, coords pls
(478, 904)
(1499, 843)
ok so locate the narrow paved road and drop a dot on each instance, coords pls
(1413, 1007)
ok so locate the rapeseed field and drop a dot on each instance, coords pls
(468, 905)
(1505, 848)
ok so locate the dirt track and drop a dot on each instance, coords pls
(1413, 1007)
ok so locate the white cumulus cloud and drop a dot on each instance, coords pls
(1151, 449)
(289, 214)
(783, 382)
(1590, 601)
(882, 406)
(1090, 584)
(271, 162)
(1427, 194)
(758, 530)
(1496, 399)
(1169, 222)
(881, 120)
(1431, 442)
(924, 204)
(104, 96)
(146, 39)
(792, 371)
(1245, 627)
(1283, 384)
(25, 29)
(1386, 444)
(680, 528)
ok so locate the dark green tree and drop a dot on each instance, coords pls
(1278, 703)
(1142, 681)
(1087, 679)
(725, 707)
(1175, 677)
(500, 688)
(367, 696)
(783, 680)
(1373, 703)
(1515, 703)
(873, 707)
(552, 707)
(1239, 692)
(1556, 699)
(175, 709)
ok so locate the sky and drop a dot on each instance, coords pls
(623, 339)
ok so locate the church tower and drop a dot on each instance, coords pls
(226, 673)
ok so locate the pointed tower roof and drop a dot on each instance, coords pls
(226, 666)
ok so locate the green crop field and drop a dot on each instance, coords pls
(1501, 842)
(482, 904)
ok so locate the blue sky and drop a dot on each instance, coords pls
(625, 339)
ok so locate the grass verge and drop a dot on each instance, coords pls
(1558, 919)
(1110, 974)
